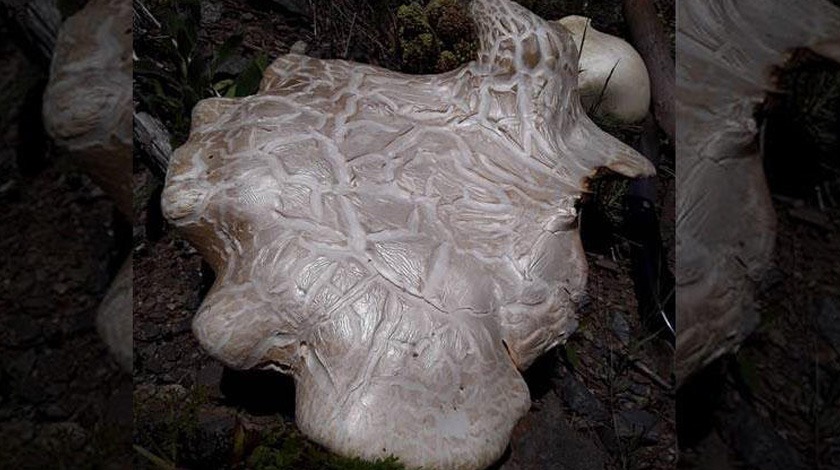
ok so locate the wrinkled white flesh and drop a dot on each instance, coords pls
(613, 78)
(725, 221)
(399, 244)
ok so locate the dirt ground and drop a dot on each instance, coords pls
(602, 401)
(64, 402)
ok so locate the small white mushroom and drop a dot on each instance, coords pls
(612, 80)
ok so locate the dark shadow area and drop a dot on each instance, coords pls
(259, 392)
(800, 134)
(697, 401)
(542, 374)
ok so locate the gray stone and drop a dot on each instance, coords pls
(580, 400)
(545, 440)
(299, 47)
(638, 424)
(828, 321)
(211, 12)
(620, 327)
(234, 65)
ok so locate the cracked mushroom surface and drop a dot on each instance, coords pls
(401, 244)
(726, 224)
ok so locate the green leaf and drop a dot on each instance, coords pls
(223, 85)
(572, 356)
(748, 371)
(249, 80)
(225, 52)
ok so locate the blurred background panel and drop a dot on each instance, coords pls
(758, 257)
(65, 394)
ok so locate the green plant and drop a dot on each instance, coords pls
(173, 73)
(160, 441)
(290, 450)
(436, 37)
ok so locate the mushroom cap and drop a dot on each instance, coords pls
(402, 245)
(611, 61)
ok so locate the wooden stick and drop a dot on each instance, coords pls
(153, 139)
(649, 37)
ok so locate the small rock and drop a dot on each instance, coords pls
(580, 400)
(233, 66)
(171, 393)
(620, 328)
(544, 439)
(211, 12)
(299, 47)
(59, 436)
(828, 321)
(247, 17)
(638, 424)
(149, 332)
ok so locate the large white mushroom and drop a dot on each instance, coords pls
(727, 50)
(613, 79)
(401, 245)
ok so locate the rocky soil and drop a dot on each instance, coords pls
(64, 402)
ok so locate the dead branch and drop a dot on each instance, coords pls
(650, 39)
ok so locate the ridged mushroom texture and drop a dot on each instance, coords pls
(402, 245)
